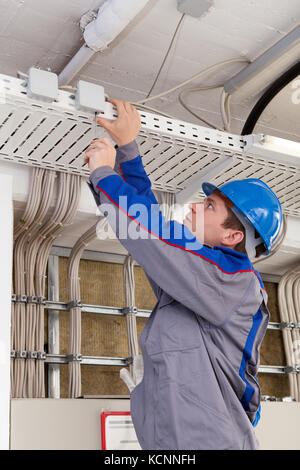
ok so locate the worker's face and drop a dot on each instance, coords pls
(205, 220)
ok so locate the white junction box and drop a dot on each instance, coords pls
(42, 85)
(90, 97)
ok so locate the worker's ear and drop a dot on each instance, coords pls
(232, 237)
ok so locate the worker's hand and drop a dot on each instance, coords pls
(126, 127)
(137, 373)
(100, 153)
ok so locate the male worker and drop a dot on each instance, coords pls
(201, 344)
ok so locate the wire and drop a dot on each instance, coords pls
(153, 110)
(67, 87)
(167, 54)
(192, 90)
(22, 74)
(268, 95)
(194, 77)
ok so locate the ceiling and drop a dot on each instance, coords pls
(47, 34)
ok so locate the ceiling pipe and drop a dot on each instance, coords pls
(113, 17)
(269, 57)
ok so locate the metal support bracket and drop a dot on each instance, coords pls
(32, 355)
(32, 299)
(74, 304)
(128, 310)
(41, 300)
(287, 325)
(41, 355)
(74, 357)
(21, 354)
(21, 298)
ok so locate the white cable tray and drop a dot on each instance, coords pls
(177, 155)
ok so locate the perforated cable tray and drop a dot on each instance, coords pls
(177, 155)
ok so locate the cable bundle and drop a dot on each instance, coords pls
(129, 287)
(289, 303)
(75, 312)
(33, 236)
(42, 183)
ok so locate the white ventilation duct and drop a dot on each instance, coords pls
(113, 17)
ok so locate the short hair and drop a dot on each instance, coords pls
(235, 224)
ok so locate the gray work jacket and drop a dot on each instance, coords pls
(201, 343)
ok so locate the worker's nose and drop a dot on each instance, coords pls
(196, 209)
(195, 206)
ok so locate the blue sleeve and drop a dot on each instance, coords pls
(133, 173)
(129, 166)
(192, 274)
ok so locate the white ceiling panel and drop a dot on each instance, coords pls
(47, 34)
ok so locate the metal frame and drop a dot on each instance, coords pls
(53, 326)
(54, 360)
(57, 306)
(177, 155)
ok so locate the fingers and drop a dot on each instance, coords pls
(98, 144)
(120, 106)
(103, 123)
(123, 106)
(128, 107)
(101, 143)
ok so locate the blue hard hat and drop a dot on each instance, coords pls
(257, 202)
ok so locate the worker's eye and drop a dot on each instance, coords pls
(209, 205)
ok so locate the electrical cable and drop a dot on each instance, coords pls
(20, 240)
(33, 240)
(167, 54)
(32, 247)
(193, 90)
(194, 77)
(225, 114)
(129, 287)
(286, 303)
(74, 295)
(267, 97)
(157, 111)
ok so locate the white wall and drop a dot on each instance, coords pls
(6, 247)
(75, 424)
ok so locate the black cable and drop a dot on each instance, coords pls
(267, 97)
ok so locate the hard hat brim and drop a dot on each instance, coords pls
(208, 188)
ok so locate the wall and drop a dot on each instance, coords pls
(102, 335)
(272, 351)
(6, 244)
(75, 424)
(102, 284)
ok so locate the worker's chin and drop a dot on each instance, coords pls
(188, 224)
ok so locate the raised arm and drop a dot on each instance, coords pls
(196, 276)
(129, 164)
(124, 131)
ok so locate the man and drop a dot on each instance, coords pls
(201, 344)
